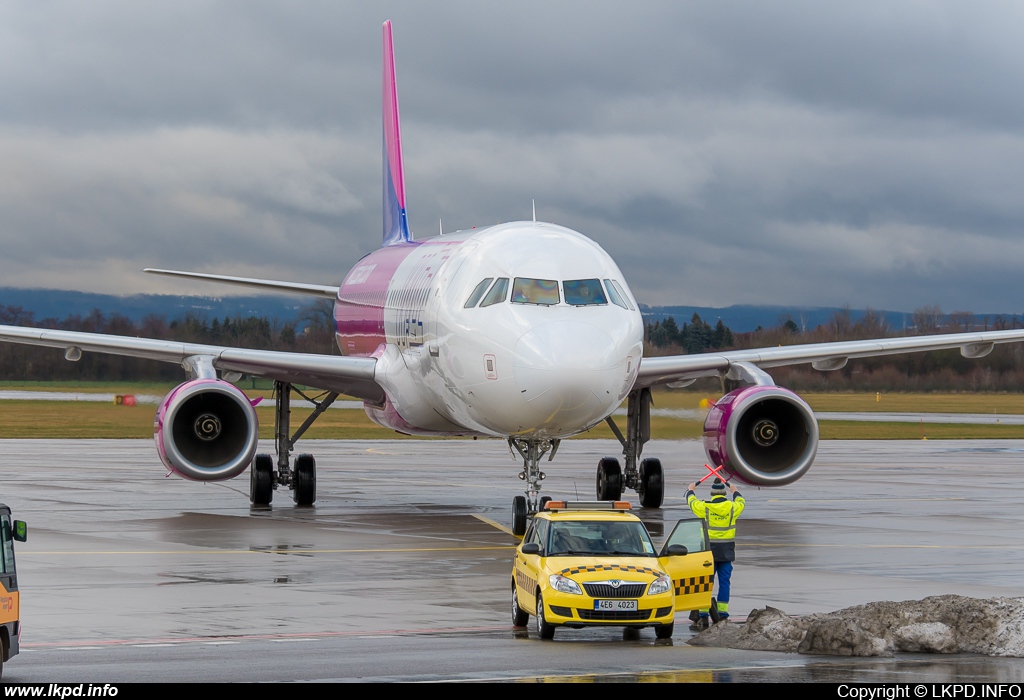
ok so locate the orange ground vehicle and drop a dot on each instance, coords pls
(10, 624)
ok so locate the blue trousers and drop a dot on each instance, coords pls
(723, 572)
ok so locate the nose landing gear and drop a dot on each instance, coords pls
(524, 506)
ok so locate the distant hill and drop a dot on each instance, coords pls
(743, 319)
(55, 303)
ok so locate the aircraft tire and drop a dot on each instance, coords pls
(305, 480)
(609, 479)
(652, 484)
(519, 516)
(261, 480)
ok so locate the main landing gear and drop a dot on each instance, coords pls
(302, 478)
(525, 506)
(644, 476)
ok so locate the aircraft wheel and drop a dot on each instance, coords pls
(261, 480)
(609, 479)
(519, 516)
(305, 480)
(665, 631)
(652, 484)
(519, 616)
(544, 501)
(544, 630)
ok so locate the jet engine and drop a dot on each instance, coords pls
(206, 430)
(763, 435)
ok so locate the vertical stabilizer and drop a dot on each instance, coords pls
(396, 225)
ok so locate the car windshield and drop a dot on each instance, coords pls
(533, 291)
(583, 292)
(617, 538)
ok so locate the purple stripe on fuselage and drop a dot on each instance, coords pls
(359, 311)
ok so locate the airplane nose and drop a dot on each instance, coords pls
(568, 374)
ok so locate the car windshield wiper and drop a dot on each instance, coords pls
(620, 553)
(572, 553)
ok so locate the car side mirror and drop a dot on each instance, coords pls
(530, 548)
(20, 531)
(677, 550)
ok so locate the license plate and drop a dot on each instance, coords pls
(616, 604)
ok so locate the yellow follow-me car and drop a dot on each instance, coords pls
(593, 563)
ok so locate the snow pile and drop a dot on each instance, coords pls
(946, 624)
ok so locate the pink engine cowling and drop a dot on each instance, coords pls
(206, 430)
(762, 435)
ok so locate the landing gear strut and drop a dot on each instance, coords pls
(645, 477)
(302, 479)
(523, 506)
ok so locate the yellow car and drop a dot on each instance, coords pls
(593, 563)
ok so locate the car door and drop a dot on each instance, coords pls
(692, 573)
(8, 574)
(528, 565)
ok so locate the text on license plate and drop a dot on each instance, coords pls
(615, 604)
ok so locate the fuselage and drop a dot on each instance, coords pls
(522, 329)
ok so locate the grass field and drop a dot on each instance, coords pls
(46, 419)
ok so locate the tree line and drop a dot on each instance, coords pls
(940, 370)
(311, 331)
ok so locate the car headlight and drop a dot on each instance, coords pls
(660, 585)
(564, 585)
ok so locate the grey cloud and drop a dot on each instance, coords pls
(732, 152)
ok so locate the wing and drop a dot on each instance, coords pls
(313, 290)
(353, 376)
(824, 356)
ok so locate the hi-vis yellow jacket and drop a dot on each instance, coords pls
(721, 515)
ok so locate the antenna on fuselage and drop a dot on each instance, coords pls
(534, 210)
(440, 228)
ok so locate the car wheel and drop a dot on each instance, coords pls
(665, 631)
(519, 616)
(544, 630)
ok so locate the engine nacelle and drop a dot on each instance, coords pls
(763, 435)
(206, 430)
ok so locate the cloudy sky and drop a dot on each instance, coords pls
(805, 153)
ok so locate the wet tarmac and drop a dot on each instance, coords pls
(401, 570)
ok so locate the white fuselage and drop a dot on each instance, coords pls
(554, 356)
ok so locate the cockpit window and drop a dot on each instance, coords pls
(474, 298)
(531, 291)
(497, 293)
(583, 292)
(616, 294)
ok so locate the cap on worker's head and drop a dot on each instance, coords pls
(718, 488)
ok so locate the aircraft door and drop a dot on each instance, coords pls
(692, 573)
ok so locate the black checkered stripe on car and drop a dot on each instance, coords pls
(694, 584)
(612, 567)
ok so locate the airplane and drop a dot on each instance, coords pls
(525, 331)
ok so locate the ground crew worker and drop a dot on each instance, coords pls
(720, 514)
